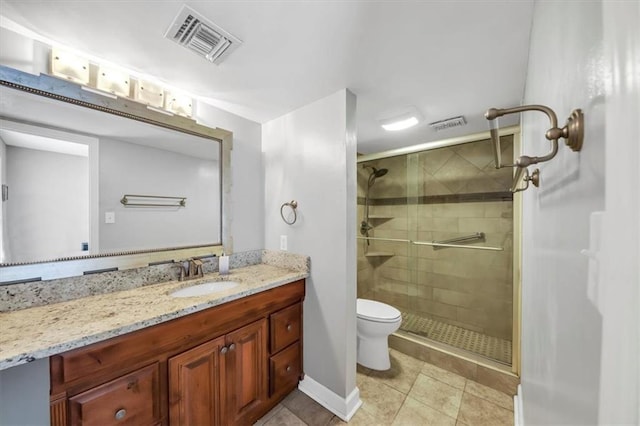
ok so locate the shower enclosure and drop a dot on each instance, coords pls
(436, 241)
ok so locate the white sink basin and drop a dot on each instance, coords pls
(204, 289)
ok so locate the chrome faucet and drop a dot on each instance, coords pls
(194, 270)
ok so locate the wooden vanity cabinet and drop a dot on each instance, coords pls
(221, 381)
(285, 362)
(195, 379)
(132, 399)
(227, 365)
(246, 381)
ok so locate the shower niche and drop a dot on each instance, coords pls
(436, 241)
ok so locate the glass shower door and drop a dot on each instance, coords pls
(383, 249)
(436, 242)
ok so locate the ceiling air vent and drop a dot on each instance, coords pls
(448, 123)
(193, 31)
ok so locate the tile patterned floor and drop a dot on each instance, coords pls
(491, 347)
(411, 393)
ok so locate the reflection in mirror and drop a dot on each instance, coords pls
(46, 208)
(65, 169)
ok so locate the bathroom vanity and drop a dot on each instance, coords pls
(224, 365)
(122, 350)
(220, 359)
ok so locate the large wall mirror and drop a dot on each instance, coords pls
(83, 181)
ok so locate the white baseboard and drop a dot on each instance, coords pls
(344, 408)
(518, 419)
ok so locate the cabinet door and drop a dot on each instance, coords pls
(195, 377)
(246, 371)
(133, 399)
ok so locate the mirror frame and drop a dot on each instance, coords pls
(66, 91)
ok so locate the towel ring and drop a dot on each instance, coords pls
(294, 205)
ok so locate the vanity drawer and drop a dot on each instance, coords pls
(285, 327)
(285, 369)
(133, 399)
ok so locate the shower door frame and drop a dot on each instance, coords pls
(517, 221)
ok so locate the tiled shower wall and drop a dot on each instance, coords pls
(437, 195)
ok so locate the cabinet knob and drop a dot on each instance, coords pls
(289, 327)
(120, 414)
(224, 350)
(288, 368)
(232, 346)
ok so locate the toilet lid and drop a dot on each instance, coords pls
(377, 311)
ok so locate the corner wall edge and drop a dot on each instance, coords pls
(344, 408)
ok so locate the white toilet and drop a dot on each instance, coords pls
(376, 321)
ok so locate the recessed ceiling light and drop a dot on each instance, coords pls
(401, 120)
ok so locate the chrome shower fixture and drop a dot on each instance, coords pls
(572, 132)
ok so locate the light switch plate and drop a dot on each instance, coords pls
(283, 242)
(110, 217)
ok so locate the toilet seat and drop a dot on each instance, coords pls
(372, 310)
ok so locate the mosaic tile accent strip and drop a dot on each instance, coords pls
(441, 199)
(491, 347)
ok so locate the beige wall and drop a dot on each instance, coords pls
(469, 288)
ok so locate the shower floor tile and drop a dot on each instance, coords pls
(491, 347)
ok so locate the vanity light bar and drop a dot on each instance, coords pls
(179, 104)
(69, 66)
(149, 93)
(113, 83)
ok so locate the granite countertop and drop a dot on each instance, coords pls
(34, 333)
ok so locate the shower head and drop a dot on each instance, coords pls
(375, 174)
(379, 172)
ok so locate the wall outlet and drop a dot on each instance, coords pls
(283, 242)
(110, 217)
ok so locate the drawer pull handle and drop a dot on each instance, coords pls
(289, 327)
(232, 346)
(288, 368)
(224, 350)
(120, 414)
